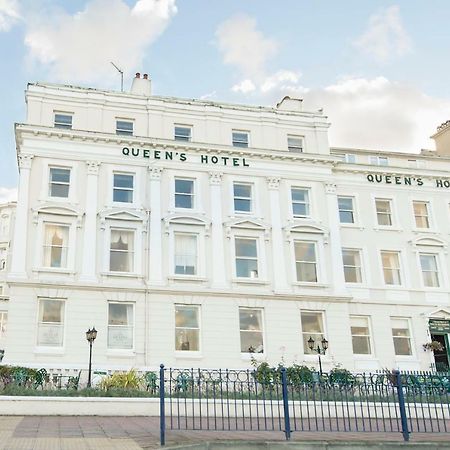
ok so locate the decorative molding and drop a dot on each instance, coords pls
(92, 167)
(125, 215)
(186, 219)
(215, 178)
(247, 224)
(25, 160)
(307, 227)
(330, 188)
(155, 172)
(57, 210)
(273, 182)
(428, 241)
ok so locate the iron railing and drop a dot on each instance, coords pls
(239, 400)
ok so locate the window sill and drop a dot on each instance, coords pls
(54, 270)
(121, 274)
(187, 278)
(180, 354)
(308, 284)
(59, 351)
(120, 353)
(387, 228)
(364, 357)
(425, 230)
(249, 281)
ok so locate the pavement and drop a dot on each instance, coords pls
(135, 433)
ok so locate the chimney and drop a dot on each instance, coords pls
(141, 86)
(442, 139)
(290, 104)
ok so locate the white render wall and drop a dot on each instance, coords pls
(94, 153)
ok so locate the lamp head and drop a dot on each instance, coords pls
(324, 344)
(311, 343)
(91, 335)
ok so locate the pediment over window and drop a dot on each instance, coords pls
(247, 224)
(122, 214)
(57, 210)
(428, 241)
(186, 219)
(441, 313)
(305, 228)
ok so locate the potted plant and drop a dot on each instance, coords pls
(435, 346)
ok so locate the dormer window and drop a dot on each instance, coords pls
(124, 127)
(295, 144)
(63, 120)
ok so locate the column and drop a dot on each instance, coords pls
(155, 275)
(217, 237)
(337, 266)
(89, 259)
(19, 251)
(278, 255)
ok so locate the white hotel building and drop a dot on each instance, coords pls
(197, 233)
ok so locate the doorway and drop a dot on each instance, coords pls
(441, 359)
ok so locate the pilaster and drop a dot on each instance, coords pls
(155, 251)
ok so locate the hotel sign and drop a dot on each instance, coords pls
(182, 157)
(439, 326)
(404, 180)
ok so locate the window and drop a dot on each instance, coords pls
(430, 273)
(378, 160)
(124, 127)
(3, 254)
(121, 254)
(51, 323)
(384, 211)
(242, 197)
(312, 327)
(246, 258)
(123, 188)
(59, 182)
(120, 326)
(184, 193)
(421, 214)
(240, 138)
(63, 121)
(185, 254)
(182, 133)
(295, 144)
(350, 158)
(346, 210)
(391, 267)
(306, 261)
(352, 265)
(401, 336)
(187, 328)
(55, 245)
(359, 327)
(300, 202)
(251, 328)
(3, 323)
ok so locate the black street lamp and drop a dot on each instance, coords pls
(319, 350)
(90, 336)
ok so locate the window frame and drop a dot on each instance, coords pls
(176, 233)
(50, 348)
(62, 125)
(50, 183)
(118, 349)
(410, 337)
(199, 328)
(359, 251)
(391, 212)
(439, 275)
(353, 210)
(192, 196)
(258, 256)
(187, 127)
(251, 198)
(297, 137)
(307, 353)
(114, 188)
(124, 131)
(256, 355)
(369, 336)
(428, 216)
(316, 262)
(235, 141)
(401, 273)
(308, 203)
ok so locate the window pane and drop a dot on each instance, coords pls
(51, 311)
(402, 346)
(295, 144)
(186, 316)
(184, 186)
(242, 190)
(401, 336)
(123, 181)
(121, 251)
(252, 342)
(247, 268)
(352, 266)
(242, 205)
(312, 322)
(182, 134)
(240, 139)
(187, 340)
(59, 175)
(250, 319)
(123, 196)
(120, 314)
(361, 345)
(55, 245)
(183, 201)
(120, 337)
(124, 127)
(246, 247)
(63, 121)
(251, 330)
(305, 251)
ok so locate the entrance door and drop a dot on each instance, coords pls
(441, 357)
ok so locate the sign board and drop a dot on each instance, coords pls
(439, 326)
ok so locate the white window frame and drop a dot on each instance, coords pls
(73, 186)
(248, 238)
(193, 196)
(252, 197)
(429, 215)
(116, 349)
(197, 245)
(123, 170)
(133, 189)
(354, 210)
(301, 148)
(51, 183)
(309, 203)
(361, 267)
(58, 124)
(179, 125)
(312, 356)
(263, 333)
(247, 132)
(51, 348)
(403, 278)
(392, 213)
(184, 353)
(44, 246)
(411, 340)
(370, 336)
(317, 264)
(440, 277)
(123, 131)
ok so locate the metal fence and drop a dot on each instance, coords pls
(290, 401)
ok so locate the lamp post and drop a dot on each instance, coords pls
(90, 336)
(319, 350)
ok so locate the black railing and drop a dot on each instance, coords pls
(240, 400)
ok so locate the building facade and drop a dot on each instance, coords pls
(207, 234)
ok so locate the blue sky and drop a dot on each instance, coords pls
(379, 69)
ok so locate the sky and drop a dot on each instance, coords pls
(379, 69)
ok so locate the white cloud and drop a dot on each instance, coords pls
(286, 80)
(385, 36)
(9, 14)
(245, 86)
(8, 194)
(243, 46)
(80, 47)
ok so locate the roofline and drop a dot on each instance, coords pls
(384, 152)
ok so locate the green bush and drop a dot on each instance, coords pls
(127, 380)
(297, 374)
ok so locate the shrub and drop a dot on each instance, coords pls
(297, 374)
(127, 380)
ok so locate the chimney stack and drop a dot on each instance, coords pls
(442, 139)
(141, 86)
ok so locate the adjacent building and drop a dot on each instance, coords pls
(197, 233)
